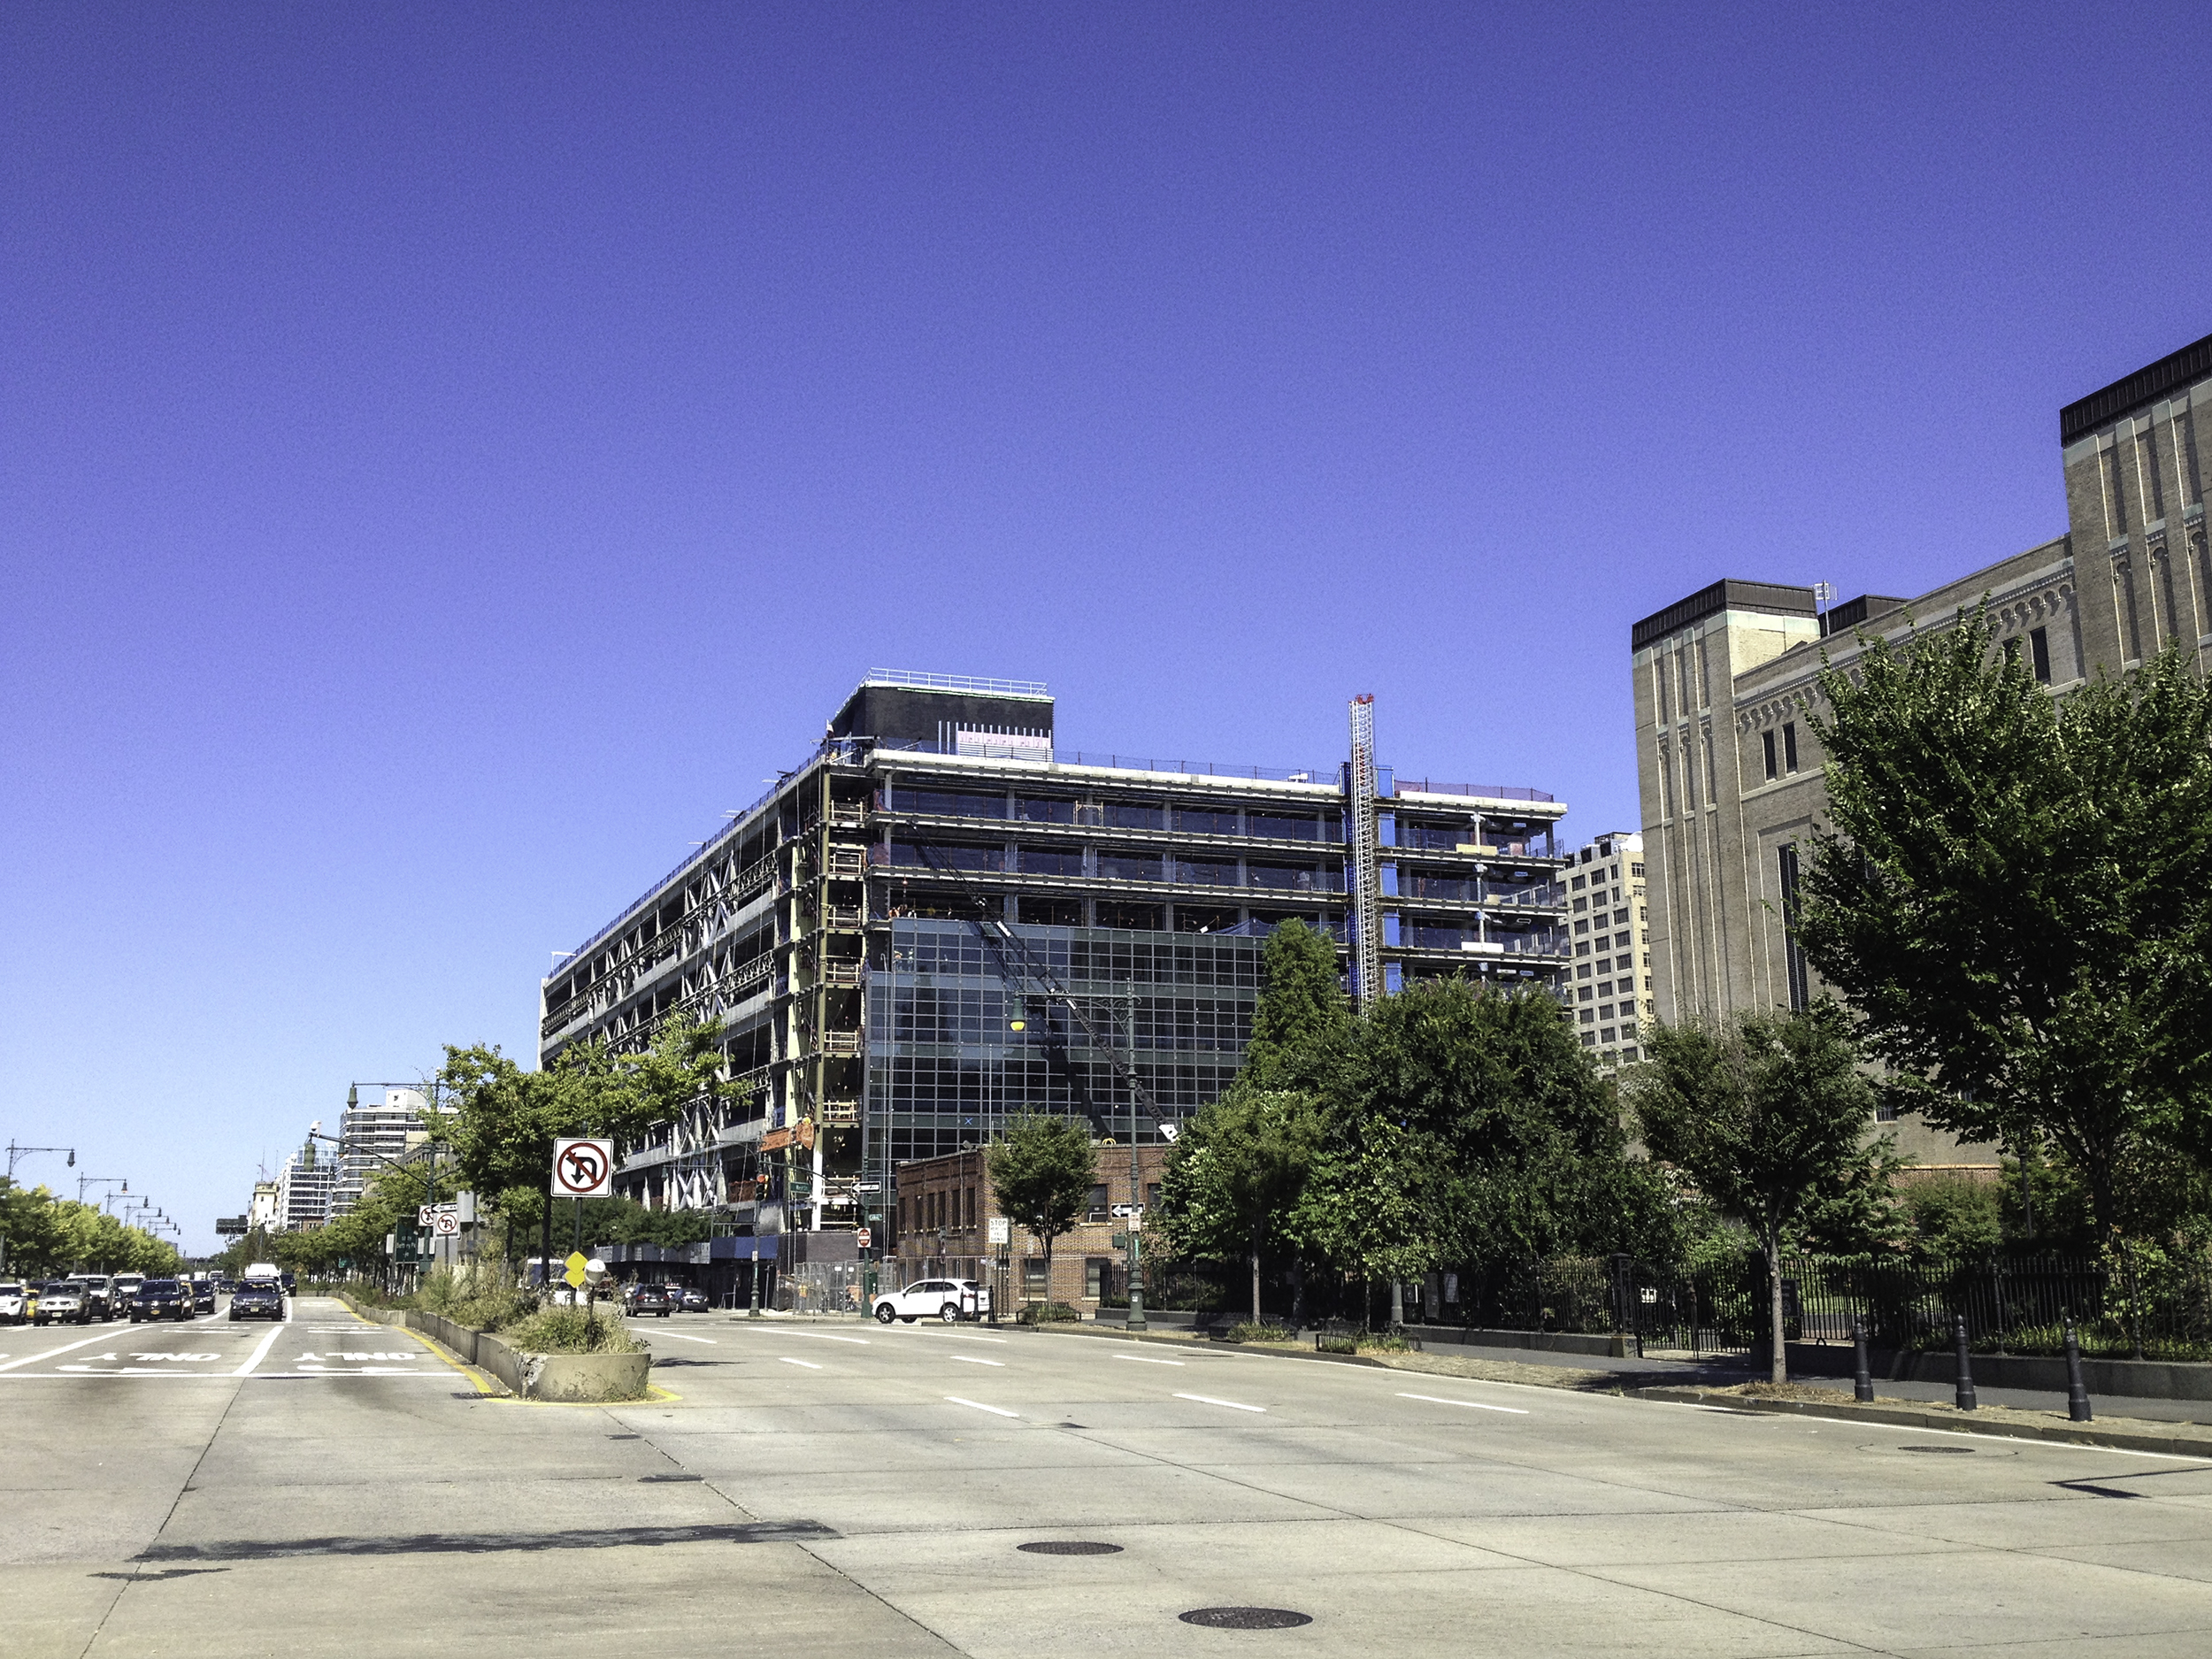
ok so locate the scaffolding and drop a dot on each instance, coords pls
(1367, 928)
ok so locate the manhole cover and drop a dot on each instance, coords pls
(648, 1480)
(1941, 1451)
(1245, 1617)
(1069, 1546)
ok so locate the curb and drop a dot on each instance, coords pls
(1954, 1423)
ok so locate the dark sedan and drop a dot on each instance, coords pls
(258, 1299)
(161, 1298)
(650, 1299)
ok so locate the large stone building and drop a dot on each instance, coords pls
(1728, 770)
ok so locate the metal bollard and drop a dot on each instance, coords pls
(2077, 1393)
(1964, 1399)
(1862, 1379)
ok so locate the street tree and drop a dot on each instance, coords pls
(1236, 1174)
(1765, 1116)
(1042, 1170)
(1301, 1025)
(1371, 1203)
(2015, 897)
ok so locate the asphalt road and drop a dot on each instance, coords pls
(854, 1490)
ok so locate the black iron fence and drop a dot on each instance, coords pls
(2125, 1303)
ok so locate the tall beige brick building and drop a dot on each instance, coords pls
(1727, 766)
(1608, 917)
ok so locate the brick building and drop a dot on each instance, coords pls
(943, 1229)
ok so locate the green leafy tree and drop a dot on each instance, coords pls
(507, 1119)
(1763, 1116)
(1302, 1028)
(1370, 1204)
(2016, 897)
(1042, 1169)
(1236, 1174)
(1530, 1154)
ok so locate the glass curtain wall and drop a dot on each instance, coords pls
(946, 1066)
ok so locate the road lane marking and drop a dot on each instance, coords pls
(974, 1359)
(261, 1350)
(961, 1336)
(684, 1336)
(1235, 1405)
(1147, 1359)
(71, 1347)
(1475, 1405)
(976, 1405)
(824, 1336)
(808, 1363)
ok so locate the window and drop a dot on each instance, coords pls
(1121, 816)
(1096, 1207)
(1586, 994)
(1046, 861)
(942, 805)
(1582, 950)
(1577, 884)
(1628, 1053)
(1606, 988)
(1766, 741)
(1202, 822)
(1293, 829)
(1636, 870)
(1032, 1276)
(1093, 1279)
(2039, 654)
(1583, 972)
(1047, 811)
(1789, 746)
(1793, 953)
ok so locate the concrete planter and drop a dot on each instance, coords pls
(570, 1377)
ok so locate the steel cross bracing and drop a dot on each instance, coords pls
(1367, 974)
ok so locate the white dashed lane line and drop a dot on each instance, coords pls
(1474, 1405)
(685, 1336)
(976, 1405)
(1233, 1405)
(808, 1363)
(975, 1359)
(1147, 1359)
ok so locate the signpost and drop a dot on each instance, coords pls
(583, 1168)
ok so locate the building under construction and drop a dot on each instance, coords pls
(940, 920)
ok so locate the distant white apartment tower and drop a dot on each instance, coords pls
(261, 1215)
(374, 1137)
(304, 1189)
(1609, 917)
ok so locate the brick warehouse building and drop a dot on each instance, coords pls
(942, 1218)
(869, 935)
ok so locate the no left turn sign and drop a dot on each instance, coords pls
(583, 1169)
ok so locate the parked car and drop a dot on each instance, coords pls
(62, 1304)
(258, 1299)
(696, 1300)
(161, 1298)
(18, 1302)
(652, 1299)
(945, 1299)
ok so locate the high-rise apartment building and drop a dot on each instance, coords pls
(1608, 921)
(939, 919)
(304, 1189)
(374, 1136)
(1725, 682)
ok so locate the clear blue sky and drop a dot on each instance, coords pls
(449, 454)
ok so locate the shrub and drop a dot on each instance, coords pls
(1245, 1330)
(569, 1330)
(1364, 1342)
(1046, 1313)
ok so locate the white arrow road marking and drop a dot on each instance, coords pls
(1147, 1359)
(261, 1350)
(976, 1405)
(685, 1336)
(1208, 1400)
(71, 1347)
(1474, 1405)
(808, 1363)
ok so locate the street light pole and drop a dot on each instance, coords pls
(16, 1152)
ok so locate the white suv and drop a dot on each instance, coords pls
(945, 1299)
